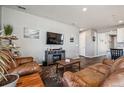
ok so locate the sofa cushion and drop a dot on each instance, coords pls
(116, 79)
(73, 80)
(108, 62)
(101, 68)
(118, 64)
(92, 77)
(25, 69)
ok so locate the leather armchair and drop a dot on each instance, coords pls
(24, 65)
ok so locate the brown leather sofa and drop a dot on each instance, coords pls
(21, 65)
(106, 74)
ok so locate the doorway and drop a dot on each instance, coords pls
(82, 37)
(113, 41)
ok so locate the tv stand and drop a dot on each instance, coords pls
(54, 55)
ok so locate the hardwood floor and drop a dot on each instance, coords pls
(89, 61)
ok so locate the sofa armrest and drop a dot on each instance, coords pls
(22, 60)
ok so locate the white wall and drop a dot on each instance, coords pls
(37, 47)
(0, 16)
(90, 44)
(103, 43)
(88, 47)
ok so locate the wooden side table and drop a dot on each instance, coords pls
(66, 64)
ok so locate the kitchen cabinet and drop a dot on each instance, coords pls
(120, 35)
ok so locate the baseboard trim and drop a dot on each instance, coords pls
(92, 56)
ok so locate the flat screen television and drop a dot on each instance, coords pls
(54, 38)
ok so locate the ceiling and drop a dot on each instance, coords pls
(96, 16)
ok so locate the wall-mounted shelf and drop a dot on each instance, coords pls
(10, 46)
(9, 37)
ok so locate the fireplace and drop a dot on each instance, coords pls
(54, 55)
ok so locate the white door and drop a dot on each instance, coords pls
(82, 38)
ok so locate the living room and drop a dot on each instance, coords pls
(62, 41)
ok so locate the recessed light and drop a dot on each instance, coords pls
(120, 21)
(80, 29)
(84, 9)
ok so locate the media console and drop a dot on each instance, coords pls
(54, 55)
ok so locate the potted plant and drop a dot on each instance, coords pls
(8, 29)
(6, 80)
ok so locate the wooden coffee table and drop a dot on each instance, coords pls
(66, 64)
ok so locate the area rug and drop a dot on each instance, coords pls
(53, 79)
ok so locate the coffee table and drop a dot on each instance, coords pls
(66, 64)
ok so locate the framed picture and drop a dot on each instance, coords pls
(31, 33)
(72, 39)
(94, 38)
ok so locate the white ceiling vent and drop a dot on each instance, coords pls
(21, 7)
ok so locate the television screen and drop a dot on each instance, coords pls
(54, 38)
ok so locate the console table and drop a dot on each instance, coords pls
(54, 55)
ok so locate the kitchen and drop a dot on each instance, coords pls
(112, 39)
